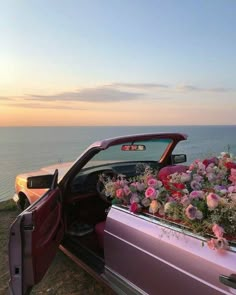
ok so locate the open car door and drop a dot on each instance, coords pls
(34, 239)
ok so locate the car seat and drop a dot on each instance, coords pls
(165, 171)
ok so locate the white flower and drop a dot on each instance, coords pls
(167, 206)
(134, 198)
(199, 214)
(233, 197)
(211, 176)
(159, 184)
(201, 168)
(185, 177)
(146, 202)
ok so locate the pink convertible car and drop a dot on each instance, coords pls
(117, 213)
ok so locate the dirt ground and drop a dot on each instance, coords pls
(64, 277)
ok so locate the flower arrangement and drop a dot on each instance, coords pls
(203, 198)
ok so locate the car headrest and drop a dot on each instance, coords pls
(165, 171)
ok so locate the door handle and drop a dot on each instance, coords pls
(229, 281)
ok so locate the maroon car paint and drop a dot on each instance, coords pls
(36, 235)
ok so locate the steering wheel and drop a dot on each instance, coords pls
(105, 176)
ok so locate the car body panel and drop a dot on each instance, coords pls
(94, 148)
(63, 168)
(141, 254)
(160, 252)
(34, 194)
(34, 240)
(104, 144)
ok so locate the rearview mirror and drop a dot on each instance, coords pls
(180, 158)
(42, 181)
(133, 147)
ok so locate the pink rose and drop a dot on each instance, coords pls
(120, 193)
(218, 244)
(152, 182)
(232, 189)
(210, 169)
(213, 161)
(150, 193)
(191, 212)
(120, 183)
(126, 190)
(232, 177)
(185, 201)
(218, 230)
(194, 164)
(195, 185)
(221, 244)
(201, 168)
(191, 167)
(140, 186)
(196, 195)
(197, 178)
(212, 200)
(211, 244)
(211, 176)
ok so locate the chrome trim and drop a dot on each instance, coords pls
(124, 280)
(169, 225)
(169, 264)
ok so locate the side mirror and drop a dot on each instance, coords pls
(42, 181)
(177, 159)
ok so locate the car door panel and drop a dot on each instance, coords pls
(159, 260)
(34, 239)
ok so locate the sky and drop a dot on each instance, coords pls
(117, 62)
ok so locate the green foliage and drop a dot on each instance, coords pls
(8, 206)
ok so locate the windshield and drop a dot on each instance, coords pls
(148, 150)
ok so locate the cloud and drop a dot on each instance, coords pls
(188, 88)
(141, 85)
(113, 93)
(44, 105)
(47, 106)
(219, 89)
(100, 94)
(202, 89)
(184, 87)
(3, 98)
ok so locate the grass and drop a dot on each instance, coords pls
(7, 206)
(64, 277)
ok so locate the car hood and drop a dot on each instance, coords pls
(62, 169)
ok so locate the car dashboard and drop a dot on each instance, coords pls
(86, 180)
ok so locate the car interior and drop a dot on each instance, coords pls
(86, 210)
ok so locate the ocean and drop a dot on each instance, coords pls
(24, 149)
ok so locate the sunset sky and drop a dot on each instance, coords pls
(117, 62)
